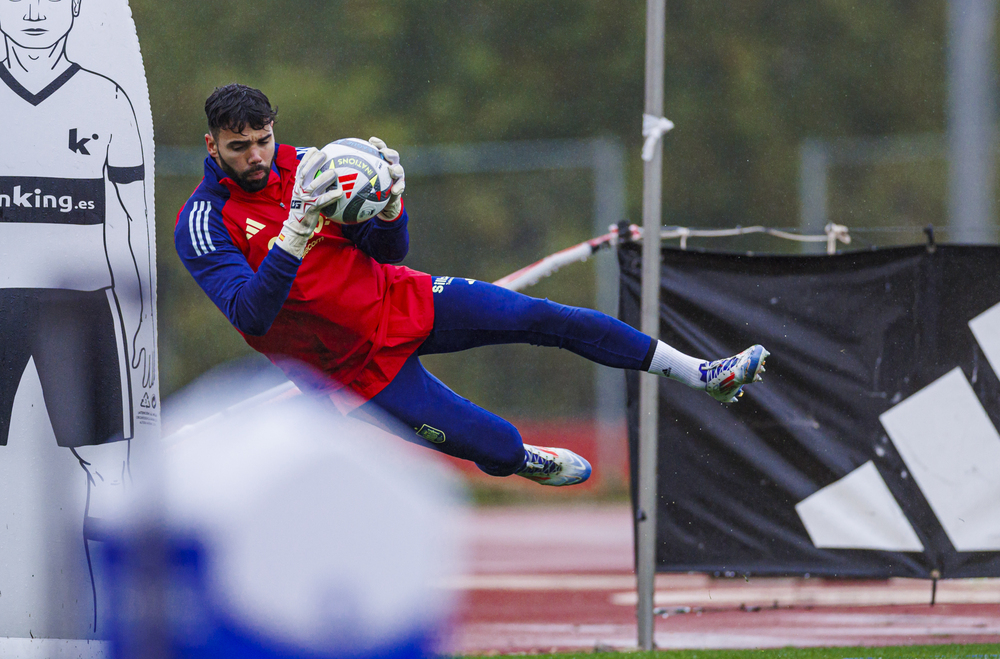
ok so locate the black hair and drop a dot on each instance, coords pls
(235, 106)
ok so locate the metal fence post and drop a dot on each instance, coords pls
(649, 383)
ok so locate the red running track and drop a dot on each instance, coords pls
(560, 578)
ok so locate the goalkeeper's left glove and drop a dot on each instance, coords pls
(394, 208)
(309, 196)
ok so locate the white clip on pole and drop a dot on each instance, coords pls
(653, 128)
(684, 232)
(835, 232)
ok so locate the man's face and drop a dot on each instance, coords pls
(246, 157)
(37, 23)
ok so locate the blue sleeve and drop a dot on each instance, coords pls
(386, 242)
(251, 300)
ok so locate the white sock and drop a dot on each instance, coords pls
(676, 365)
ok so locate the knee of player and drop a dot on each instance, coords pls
(512, 448)
(545, 316)
(506, 450)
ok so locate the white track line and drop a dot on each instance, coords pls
(700, 591)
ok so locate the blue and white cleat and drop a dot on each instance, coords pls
(553, 466)
(724, 379)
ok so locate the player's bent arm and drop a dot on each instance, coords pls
(386, 242)
(250, 300)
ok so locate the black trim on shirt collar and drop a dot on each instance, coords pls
(50, 89)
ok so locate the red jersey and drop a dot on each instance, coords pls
(347, 315)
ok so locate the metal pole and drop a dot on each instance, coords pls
(813, 160)
(609, 383)
(971, 120)
(648, 384)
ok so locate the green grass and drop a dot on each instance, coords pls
(987, 651)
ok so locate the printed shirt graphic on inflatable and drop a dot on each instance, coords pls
(77, 142)
(77, 306)
(52, 179)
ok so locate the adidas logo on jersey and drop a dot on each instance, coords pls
(253, 226)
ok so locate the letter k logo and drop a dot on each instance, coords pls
(80, 146)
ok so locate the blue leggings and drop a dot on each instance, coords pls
(468, 314)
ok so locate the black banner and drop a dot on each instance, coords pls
(870, 449)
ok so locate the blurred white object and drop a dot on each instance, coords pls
(316, 532)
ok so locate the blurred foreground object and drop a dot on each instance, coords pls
(286, 531)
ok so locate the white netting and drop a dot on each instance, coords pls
(544, 267)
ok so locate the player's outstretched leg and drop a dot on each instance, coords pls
(465, 308)
(724, 379)
(553, 466)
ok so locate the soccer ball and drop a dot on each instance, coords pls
(364, 176)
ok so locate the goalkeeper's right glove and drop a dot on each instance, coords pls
(309, 196)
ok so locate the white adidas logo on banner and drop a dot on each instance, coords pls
(951, 450)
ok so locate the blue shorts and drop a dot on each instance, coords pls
(468, 314)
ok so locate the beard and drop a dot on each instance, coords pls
(243, 179)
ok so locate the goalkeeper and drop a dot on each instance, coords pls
(326, 304)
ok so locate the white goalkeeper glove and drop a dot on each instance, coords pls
(392, 209)
(309, 196)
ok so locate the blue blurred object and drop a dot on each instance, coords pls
(286, 531)
(187, 625)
